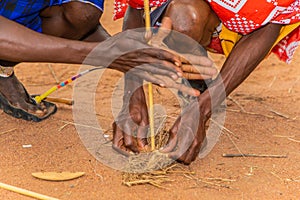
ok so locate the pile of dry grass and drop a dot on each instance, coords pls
(152, 168)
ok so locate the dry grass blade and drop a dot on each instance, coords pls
(250, 113)
(224, 128)
(284, 136)
(280, 114)
(83, 125)
(10, 130)
(57, 176)
(215, 182)
(237, 103)
(291, 88)
(293, 140)
(53, 73)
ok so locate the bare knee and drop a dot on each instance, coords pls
(72, 20)
(188, 17)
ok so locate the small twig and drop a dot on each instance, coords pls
(83, 125)
(158, 91)
(237, 103)
(253, 155)
(274, 79)
(182, 172)
(221, 179)
(292, 180)
(207, 182)
(95, 172)
(250, 113)
(53, 73)
(4, 132)
(291, 139)
(284, 136)
(291, 88)
(157, 185)
(137, 182)
(62, 127)
(223, 127)
(276, 175)
(280, 114)
(234, 144)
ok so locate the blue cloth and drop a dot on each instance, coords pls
(26, 12)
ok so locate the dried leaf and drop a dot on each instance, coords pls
(57, 176)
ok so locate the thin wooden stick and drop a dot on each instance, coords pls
(253, 155)
(60, 100)
(25, 192)
(150, 86)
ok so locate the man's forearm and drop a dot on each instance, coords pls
(20, 44)
(244, 58)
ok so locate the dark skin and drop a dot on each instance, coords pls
(70, 33)
(134, 115)
(198, 21)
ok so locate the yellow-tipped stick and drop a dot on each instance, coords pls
(150, 87)
(38, 99)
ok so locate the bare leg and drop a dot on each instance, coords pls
(73, 20)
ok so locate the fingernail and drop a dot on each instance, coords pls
(177, 64)
(175, 77)
(162, 85)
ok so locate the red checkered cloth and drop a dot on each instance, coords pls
(245, 16)
(120, 6)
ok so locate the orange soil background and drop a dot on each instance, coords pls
(272, 90)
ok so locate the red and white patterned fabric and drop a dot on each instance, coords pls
(286, 48)
(245, 16)
(120, 6)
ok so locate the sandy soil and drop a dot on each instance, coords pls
(270, 125)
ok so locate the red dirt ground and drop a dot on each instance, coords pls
(272, 90)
